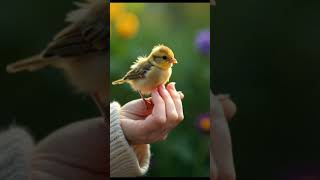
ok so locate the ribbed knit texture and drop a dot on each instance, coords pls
(15, 148)
(125, 160)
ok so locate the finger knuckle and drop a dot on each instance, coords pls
(173, 115)
(175, 95)
(166, 93)
(180, 117)
(181, 95)
(161, 120)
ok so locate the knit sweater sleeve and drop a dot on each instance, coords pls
(15, 148)
(125, 160)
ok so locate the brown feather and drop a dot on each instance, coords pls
(89, 32)
(30, 64)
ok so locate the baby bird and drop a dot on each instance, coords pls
(147, 73)
(81, 50)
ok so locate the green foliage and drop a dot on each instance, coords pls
(186, 151)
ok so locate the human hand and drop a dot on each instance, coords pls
(76, 152)
(142, 126)
(222, 167)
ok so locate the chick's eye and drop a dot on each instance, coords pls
(164, 57)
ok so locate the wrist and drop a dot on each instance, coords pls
(131, 159)
(124, 130)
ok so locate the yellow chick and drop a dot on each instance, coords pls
(147, 73)
(81, 50)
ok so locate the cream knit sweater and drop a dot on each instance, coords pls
(126, 160)
(15, 147)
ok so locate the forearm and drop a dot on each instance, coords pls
(125, 160)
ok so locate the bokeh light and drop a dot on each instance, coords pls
(175, 25)
(203, 42)
(203, 123)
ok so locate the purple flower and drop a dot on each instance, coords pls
(203, 123)
(203, 42)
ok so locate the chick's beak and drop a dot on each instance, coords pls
(174, 61)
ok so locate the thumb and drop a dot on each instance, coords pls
(133, 130)
(137, 107)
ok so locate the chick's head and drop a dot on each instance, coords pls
(163, 56)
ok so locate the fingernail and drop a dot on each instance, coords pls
(174, 86)
(181, 94)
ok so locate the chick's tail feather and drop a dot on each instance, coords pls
(120, 81)
(30, 64)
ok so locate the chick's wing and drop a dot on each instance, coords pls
(138, 72)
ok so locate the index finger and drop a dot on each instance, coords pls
(228, 106)
(158, 116)
(221, 145)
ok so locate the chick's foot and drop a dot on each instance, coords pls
(148, 103)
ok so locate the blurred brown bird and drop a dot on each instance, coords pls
(81, 50)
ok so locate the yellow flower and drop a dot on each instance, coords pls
(205, 124)
(116, 10)
(127, 25)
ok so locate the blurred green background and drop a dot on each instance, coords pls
(42, 101)
(185, 152)
(266, 54)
